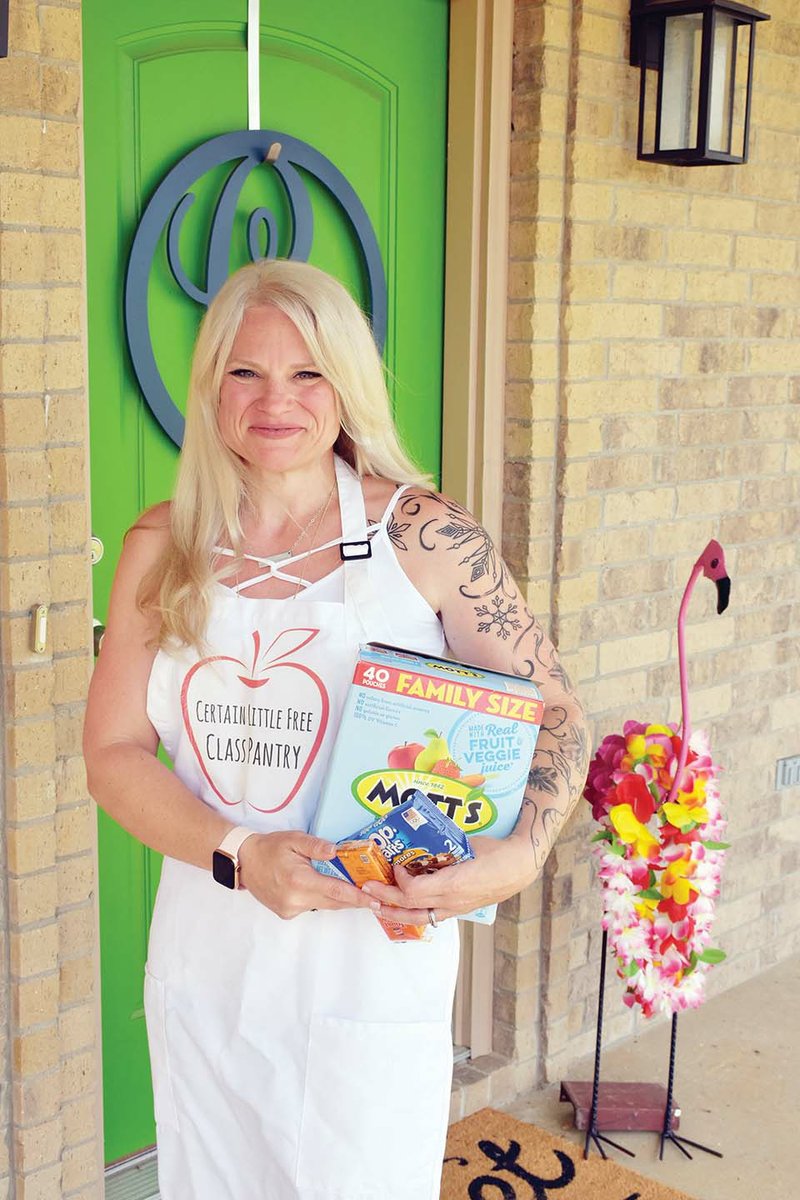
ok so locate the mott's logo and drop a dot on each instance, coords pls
(451, 693)
(442, 666)
(381, 791)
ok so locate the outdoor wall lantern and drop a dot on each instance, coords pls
(696, 63)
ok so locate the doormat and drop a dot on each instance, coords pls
(493, 1156)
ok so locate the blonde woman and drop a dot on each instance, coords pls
(289, 1038)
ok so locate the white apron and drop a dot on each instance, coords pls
(292, 1060)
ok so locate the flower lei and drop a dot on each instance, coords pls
(659, 862)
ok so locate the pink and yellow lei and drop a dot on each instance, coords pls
(660, 862)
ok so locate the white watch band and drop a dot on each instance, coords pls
(233, 841)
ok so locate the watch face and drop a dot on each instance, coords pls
(223, 869)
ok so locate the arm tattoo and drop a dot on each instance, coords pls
(395, 531)
(557, 777)
(455, 530)
(441, 526)
(498, 619)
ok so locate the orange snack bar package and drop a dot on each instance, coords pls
(363, 861)
(417, 835)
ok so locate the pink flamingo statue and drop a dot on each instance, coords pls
(711, 564)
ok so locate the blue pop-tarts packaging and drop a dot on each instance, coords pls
(416, 835)
(462, 735)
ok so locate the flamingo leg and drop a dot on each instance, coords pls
(592, 1132)
(667, 1133)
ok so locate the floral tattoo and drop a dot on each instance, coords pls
(555, 781)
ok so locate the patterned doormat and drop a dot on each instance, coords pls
(492, 1156)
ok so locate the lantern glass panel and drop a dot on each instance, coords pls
(744, 36)
(649, 110)
(723, 65)
(683, 40)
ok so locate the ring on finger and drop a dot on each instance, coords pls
(432, 919)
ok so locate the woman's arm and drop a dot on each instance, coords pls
(451, 559)
(147, 799)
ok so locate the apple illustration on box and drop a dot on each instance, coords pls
(272, 713)
(402, 758)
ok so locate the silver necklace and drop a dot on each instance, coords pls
(283, 555)
(301, 581)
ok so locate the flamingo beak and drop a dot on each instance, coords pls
(723, 593)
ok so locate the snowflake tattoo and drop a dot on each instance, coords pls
(499, 620)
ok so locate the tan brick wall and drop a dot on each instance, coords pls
(49, 1013)
(652, 397)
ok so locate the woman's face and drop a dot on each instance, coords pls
(276, 411)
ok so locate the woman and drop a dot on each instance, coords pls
(287, 1034)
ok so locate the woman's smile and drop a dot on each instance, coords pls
(275, 431)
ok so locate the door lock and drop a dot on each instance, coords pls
(98, 634)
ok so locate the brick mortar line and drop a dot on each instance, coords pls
(46, 285)
(43, 448)
(61, 705)
(38, 115)
(59, 606)
(62, 656)
(29, 771)
(53, 553)
(33, 57)
(37, 172)
(32, 227)
(33, 823)
(61, 960)
(43, 1026)
(50, 339)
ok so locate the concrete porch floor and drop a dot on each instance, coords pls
(737, 1083)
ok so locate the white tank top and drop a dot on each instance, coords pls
(250, 723)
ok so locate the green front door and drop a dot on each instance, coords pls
(364, 83)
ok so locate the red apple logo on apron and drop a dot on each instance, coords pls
(256, 727)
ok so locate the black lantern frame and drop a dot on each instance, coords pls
(4, 28)
(648, 44)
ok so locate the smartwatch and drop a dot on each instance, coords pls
(225, 859)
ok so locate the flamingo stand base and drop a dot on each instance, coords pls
(626, 1106)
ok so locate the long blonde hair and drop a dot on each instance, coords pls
(212, 490)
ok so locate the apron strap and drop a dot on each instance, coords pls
(361, 590)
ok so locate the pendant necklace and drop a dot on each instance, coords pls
(283, 555)
(317, 527)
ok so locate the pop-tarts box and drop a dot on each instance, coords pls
(462, 735)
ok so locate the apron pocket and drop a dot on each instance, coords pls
(155, 1011)
(375, 1109)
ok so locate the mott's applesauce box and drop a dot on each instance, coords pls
(416, 835)
(462, 735)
